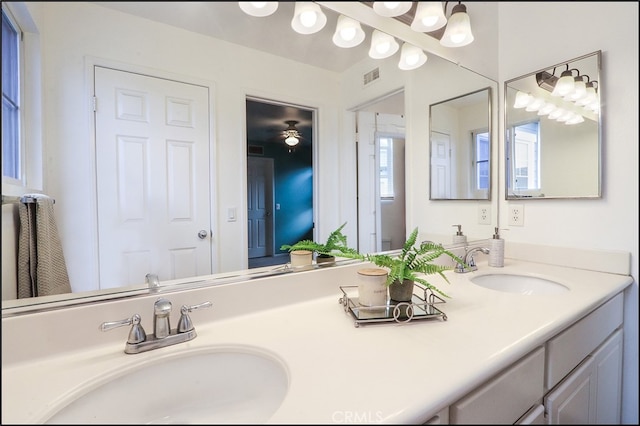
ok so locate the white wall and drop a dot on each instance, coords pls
(534, 35)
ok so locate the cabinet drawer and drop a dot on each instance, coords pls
(506, 397)
(565, 351)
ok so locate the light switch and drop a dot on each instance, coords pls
(231, 214)
(277, 206)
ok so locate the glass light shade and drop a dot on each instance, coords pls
(535, 105)
(258, 8)
(566, 115)
(308, 18)
(390, 9)
(382, 45)
(547, 109)
(564, 85)
(579, 90)
(291, 141)
(522, 100)
(576, 119)
(348, 32)
(589, 97)
(411, 57)
(558, 112)
(458, 31)
(429, 17)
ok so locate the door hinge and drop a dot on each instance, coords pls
(94, 103)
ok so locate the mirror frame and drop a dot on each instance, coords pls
(598, 56)
(491, 144)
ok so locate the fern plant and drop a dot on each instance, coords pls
(336, 245)
(413, 260)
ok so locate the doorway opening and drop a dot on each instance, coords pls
(279, 179)
(381, 173)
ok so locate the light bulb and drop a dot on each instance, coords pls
(308, 18)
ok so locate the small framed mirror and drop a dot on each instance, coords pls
(460, 147)
(553, 131)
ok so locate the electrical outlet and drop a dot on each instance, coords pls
(484, 215)
(516, 214)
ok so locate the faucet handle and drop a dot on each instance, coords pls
(136, 334)
(185, 324)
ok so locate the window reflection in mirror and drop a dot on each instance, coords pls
(552, 141)
(460, 146)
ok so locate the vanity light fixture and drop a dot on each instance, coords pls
(458, 32)
(429, 17)
(390, 9)
(291, 134)
(411, 57)
(308, 18)
(258, 8)
(348, 33)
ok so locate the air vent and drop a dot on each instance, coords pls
(256, 150)
(371, 76)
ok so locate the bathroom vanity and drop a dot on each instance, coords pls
(498, 357)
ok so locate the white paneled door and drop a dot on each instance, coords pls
(153, 179)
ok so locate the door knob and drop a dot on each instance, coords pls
(202, 234)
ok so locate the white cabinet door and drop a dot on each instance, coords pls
(608, 370)
(535, 416)
(572, 402)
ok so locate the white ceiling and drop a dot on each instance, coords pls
(273, 34)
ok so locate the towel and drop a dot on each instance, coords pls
(42, 270)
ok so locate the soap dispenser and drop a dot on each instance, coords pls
(496, 250)
(459, 237)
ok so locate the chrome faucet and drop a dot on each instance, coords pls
(163, 335)
(468, 262)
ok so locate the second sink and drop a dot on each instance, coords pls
(521, 284)
(220, 385)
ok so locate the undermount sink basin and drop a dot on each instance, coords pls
(521, 284)
(227, 385)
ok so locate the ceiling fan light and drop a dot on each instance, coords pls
(429, 17)
(291, 141)
(390, 9)
(382, 45)
(258, 8)
(458, 32)
(308, 18)
(348, 32)
(411, 57)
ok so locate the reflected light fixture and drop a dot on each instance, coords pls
(458, 31)
(411, 57)
(348, 33)
(382, 45)
(565, 83)
(390, 9)
(429, 17)
(291, 134)
(308, 18)
(258, 8)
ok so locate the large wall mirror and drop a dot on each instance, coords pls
(271, 65)
(460, 147)
(554, 131)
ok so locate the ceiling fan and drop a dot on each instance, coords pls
(291, 134)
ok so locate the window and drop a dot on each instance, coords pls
(482, 152)
(22, 149)
(524, 167)
(11, 145)
(386, 168)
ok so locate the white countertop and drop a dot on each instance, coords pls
(387, 372)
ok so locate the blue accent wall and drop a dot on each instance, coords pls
(293, 176)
